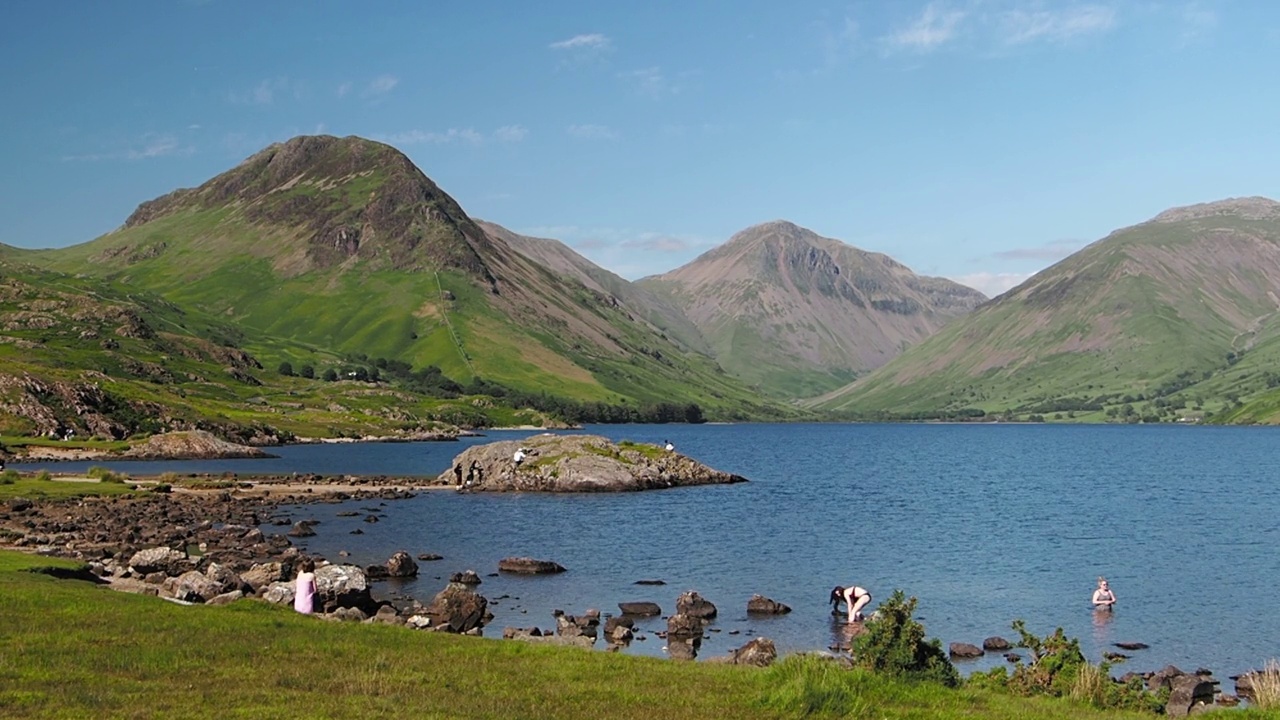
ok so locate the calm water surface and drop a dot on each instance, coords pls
(984, 524)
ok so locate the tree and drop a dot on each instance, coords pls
(307, 372)
(330, 375)
(285, 369)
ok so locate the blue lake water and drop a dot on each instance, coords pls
(983, 523)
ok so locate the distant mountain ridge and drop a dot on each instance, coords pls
(343, 244)
(798, 314)
(1172, 316)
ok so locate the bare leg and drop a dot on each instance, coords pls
(855, 610)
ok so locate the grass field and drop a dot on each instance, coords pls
(71, 649)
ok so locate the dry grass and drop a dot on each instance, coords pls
(1266, 686)
(1090, 685)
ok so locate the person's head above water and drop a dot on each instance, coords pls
(837, 594)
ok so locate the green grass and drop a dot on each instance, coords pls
(30, 486)
(69, 649)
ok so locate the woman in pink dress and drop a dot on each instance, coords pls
(305, 591)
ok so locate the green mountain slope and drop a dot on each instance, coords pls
(107, 361)
(1169, 319)
(342, 244)
(797, 314)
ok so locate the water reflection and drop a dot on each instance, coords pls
(1102, 636)
(843, 633)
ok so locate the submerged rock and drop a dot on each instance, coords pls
(576, 463)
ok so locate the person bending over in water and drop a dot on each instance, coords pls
(855, 599)
(1103, 598)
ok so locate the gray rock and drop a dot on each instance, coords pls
(458, 609)
(640, 609)
(263, 574)
(761, 605)
(343, 586)
(191, 586)
(693, 604)
(759, 652)
(684, 627)
(278, 593)
(529, 566)
(996, 644)
(159, 559)
(302, 528)
(1188, 692)
(965, 651)
(226, 598)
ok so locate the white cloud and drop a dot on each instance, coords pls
(593, 132)
(343, 89)
(936, 26)
(650, 81)
(1197, 22)
(593, 41)
(420, 137)
(266, 92)
(992, 284)
(381, 85)
(511, 133)
(1021, 25)
(628, 252)
(149, 146)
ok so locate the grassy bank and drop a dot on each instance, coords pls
(69, 649)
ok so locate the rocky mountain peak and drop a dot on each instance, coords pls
(1249, 208)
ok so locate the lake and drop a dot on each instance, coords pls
(983, 523)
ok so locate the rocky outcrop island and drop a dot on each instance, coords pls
(576, 463)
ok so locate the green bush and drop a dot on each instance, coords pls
(44, 476)
(895, 645)
(8, 477)
(105, 475)
(1055, 663)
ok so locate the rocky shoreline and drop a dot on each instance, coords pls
(206, 546)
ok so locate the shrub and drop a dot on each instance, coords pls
(162, 488)
(286, 369)
(44, 476)
(895, 644)
(8, 477)
(1055, 662)
(307, 372)
(105, 475)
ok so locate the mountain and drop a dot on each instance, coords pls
(559, 258)
(1174, 318)
(343, 245)
(797, 314)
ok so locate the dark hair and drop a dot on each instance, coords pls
(308, 565)
(837, 594)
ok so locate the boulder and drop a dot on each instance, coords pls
(694, 605)
(429, 557)
(278, 593)
(226, 598)
(263, 574)
(681, 626)
(761, 605)
(586, 625)
(965, 651)
(619, 634)
(458, 608)
(225, 577)
(1186, 693)
(191, 586)
(529, 566)
(388, 615)
(684, 648)
(996, 644)
(302, 528)
(159, 559)
(343, 586)
(466, 577)
(641, 609)
(1163, 678)
(612, 623)
(759, 652)
(20, 504)
(1132, 646)
(347, 614)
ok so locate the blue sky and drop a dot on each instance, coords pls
(980, 140)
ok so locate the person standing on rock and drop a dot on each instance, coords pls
(1103, 597)
(855, 599)
(668, 446)
(305, 591)
(518, 457)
